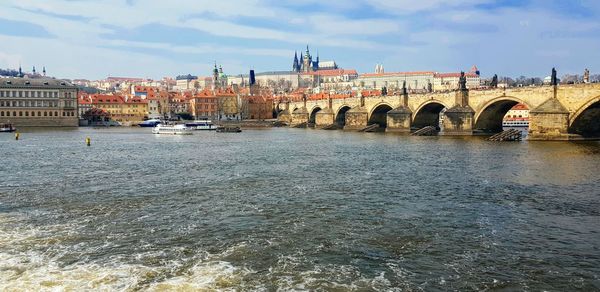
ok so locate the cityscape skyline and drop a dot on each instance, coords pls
(95, 39)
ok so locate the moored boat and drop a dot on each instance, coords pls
(150, 123)
(201, 125)
(172, 130)
(7, 128)
(229, 129)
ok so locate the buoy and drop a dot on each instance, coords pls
(88, 141)
(17, 135)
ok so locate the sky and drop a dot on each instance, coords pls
(94, 39)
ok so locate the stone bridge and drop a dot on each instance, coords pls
(564, 112)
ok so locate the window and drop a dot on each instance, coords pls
(14, 114)
(20, 113)
(39, 114)
(1, 93)
(1, 114)
(45, 114)
(63, 114)
(26, 114)
(56, 114)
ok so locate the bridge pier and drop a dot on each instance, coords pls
(285, 116)
(325, 117)
(356, 118)
(459, 119)
(399, 120)
(300, 117)
(549, 121)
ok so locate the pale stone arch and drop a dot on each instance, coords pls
(313, 113)
(429, 101)
(586, 120)
(428, 113)
(378, 114)
(493, 101)
(372, 109)
(582, 109)
(340, 114)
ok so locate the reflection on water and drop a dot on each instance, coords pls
(296, 209)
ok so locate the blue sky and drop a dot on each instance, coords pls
(94, 39)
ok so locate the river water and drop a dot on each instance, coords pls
(285, 209)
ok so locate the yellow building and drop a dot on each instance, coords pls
(128, 111)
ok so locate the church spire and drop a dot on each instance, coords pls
(296, 63)
(20, 71)
(33, 70)
(44, 71)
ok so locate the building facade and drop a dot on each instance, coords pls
(416, 81)
(38, 102)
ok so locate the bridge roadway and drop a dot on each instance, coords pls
(564, 112)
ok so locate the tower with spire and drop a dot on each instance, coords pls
(296, 65)
(44, 71)
(215, 77)
(20, 71)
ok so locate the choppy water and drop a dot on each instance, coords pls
(285, 209)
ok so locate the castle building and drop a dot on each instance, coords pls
(306, 64)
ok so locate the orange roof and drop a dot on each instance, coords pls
(397, 74)
(520, 106)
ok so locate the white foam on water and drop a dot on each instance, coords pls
(26, 265)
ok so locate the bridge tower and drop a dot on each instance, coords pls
(459, 119)
(399, 119)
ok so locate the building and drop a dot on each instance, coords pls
(519, 111)
(331, 79)
(130, 110)
(450, 81)
(204, 105)
(415, 81)
(38, 102)
(84, 103)
(186, 82)
(278, 80)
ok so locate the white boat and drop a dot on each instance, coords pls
(7, 128)
(201, 125)
(515, 123)
(172, 130)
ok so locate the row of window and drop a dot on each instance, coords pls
(29, 103)
(212, 106)
(38, 94)
(33, 114)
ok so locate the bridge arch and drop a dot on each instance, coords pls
(428, 114)
(340, 115)
(378, 114)
(586, 120)
(489, 117)
(313, 114)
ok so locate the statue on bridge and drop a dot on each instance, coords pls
(586, 76)
(462, 81)
(494, 83)
(554, 79)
